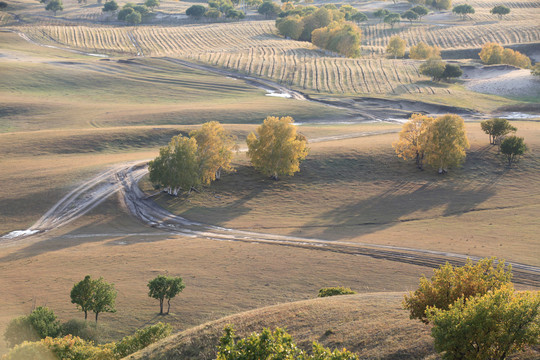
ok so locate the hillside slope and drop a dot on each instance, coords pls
(374, 325)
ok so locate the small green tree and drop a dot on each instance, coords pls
(291, 27)
(396, 47)
(38, 325)
(269, 9)
(152, 4)
(392, 19)
(333, 291)
(452, 71)
(410, 15)
(359, 17)
(278, 149)
(433, 67)
(513, 147)
(450, 283)
(196, 11)
(123, 14)
(420, 10)
(235, 14)
(496, 128)
(165, 287)
(55, 6)
(492, 326)
(381, 13)
(500, 11)
(82, 295)
(103, 298)
(110, 6)
(134, 18)
(463, 10)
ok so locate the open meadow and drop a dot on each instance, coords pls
(86, 101)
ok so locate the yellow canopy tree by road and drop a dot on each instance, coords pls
(277, 149)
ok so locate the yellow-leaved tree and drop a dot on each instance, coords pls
(214, 150)
(277, 149)
(411, 143)
(446, 142)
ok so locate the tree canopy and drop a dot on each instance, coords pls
(392, 19)
(165, 287)
(433, 67)
(493, 53)
(423, 51)
(450, 283)
(496, 128)
(341, 37)
(82, 295)
(463, 10)
(196, 11)
(412, 139)
(54, 6)
(492, 326)
(396, 47)
(420, 10)
(111, 6)
(410, 15)
(104, 297)
(513, 147)
(277, 149)
(500, 11)
(268, 8)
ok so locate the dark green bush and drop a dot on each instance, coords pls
(333, 291)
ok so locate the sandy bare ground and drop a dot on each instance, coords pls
(502, 80)
(124, 178)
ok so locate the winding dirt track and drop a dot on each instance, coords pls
(124, 178)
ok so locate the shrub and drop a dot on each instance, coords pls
(141, 339)
(449, 284)
(513, 147)
(434, 68)
(19, 330)
(291, 27)
(333, 291)
(423, 51)
(452, 71)
(83, 329)
(196, 11)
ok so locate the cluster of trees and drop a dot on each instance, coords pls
(475, 312)
(165, 288)
(74, 347)
(440, 142)
(277, 149)
(94, 295)
(397, 47)
(327, 27)
(436, 4)
(439, 70)
(493, 53)
(510, 146)
(277, 344)
(187, 162)
(390, 18)
(132, 13)
(216, 9)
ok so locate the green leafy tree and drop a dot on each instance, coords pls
(452, 71)
(277, 344)
(359, 17)
(177, 167)
(410, 15)
(269, 9)
(104, 297)
(497, 128)
(420, 10)
(55, 6)
(152, 4)
(440, 4)
(463, 10)
(141, 9)
(381, 13)
(278, 149)
(82, 295)
(433, 67)
(396, 47)
(196, 11)
(110, 6)
(333, 291)
(123, 14)
(141, 339)
(446, 142)
(513, 147)
(492, 326)
(235, 14)
(165, 287)
(134, 18)
(212, 13)
(392, 19)
(423, 51)
(449, 284)
(291, 27)
(500, 11)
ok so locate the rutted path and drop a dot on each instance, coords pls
(124, 178)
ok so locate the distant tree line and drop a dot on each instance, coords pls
(217, 9)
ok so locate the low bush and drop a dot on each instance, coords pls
(333, 291)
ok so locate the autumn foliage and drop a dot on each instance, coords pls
(492, 53)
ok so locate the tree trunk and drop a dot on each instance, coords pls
(160, 306)
(85, 315)
(97, 313)
(168, 305)
(218, 173)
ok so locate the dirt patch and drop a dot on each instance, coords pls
(502, 80)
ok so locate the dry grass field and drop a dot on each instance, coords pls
(67, 115)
